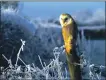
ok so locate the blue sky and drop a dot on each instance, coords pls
(54, 9)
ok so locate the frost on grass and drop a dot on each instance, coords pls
(29, 71)
(51, 71)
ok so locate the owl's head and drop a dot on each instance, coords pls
(65, 20)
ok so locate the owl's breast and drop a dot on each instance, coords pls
(68, 37)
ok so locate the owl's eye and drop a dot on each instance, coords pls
(66, 19)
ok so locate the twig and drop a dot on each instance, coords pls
(41, 61)
(5, 57)
(21, 49)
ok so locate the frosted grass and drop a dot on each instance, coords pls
(54, 70)
(51, 71)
